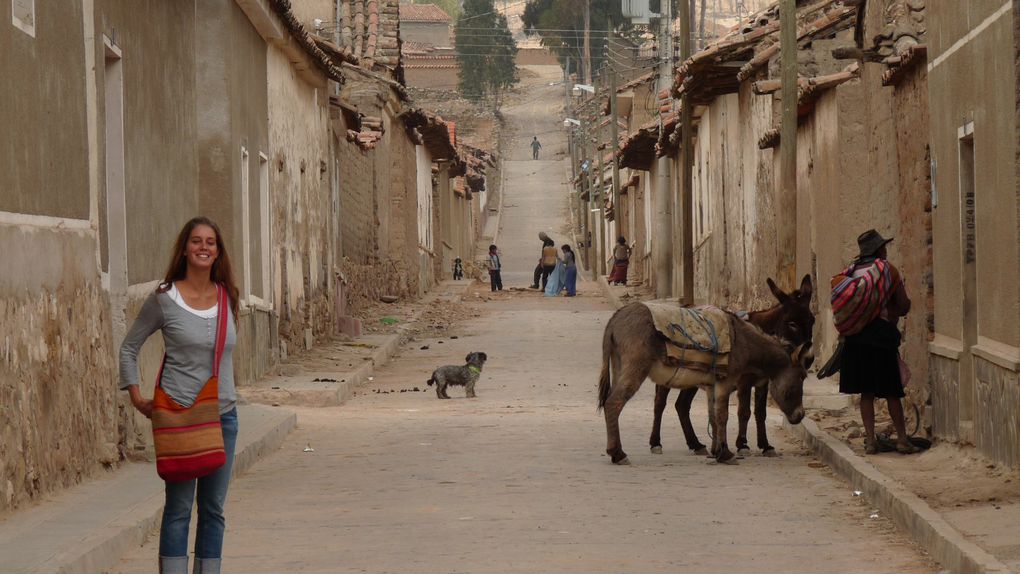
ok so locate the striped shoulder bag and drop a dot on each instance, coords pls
(189, 440)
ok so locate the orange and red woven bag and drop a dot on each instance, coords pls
(189, 440)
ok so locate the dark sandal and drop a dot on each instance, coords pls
(908, 448)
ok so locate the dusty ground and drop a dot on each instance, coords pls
(517, 479)
(948, 476)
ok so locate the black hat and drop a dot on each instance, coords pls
(870, 242)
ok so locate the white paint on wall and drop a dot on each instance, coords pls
(23, 16)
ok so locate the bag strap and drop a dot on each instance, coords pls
(221, 335)
(221, 327)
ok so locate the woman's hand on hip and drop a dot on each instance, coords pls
(143, 405)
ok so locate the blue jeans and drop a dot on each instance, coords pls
(571, 282)
(212, 493)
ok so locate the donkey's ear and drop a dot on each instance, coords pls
(779, 294)
(806, 288)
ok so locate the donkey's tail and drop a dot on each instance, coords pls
(605, 385)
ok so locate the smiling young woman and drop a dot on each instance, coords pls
(187, 308)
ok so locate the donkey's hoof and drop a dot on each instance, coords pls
(623, 461)
(657, 450)
(702, 452)
(770, 452)
(730, 461)
(743, 451)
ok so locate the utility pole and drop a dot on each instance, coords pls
(686, 172)
(663, 229)
(615, 134)
(600, 214)
(587, 42)
(787, 198)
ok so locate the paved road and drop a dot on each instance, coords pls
(516, 481)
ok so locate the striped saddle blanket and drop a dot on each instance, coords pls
(698, 338)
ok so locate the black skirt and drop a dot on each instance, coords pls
(871, 362)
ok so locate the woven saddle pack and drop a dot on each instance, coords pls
(698, 338)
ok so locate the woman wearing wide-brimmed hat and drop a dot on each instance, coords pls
(871, 363)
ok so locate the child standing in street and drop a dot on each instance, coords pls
(494, 269)
(570, 267)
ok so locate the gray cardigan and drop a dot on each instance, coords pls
(189, 341)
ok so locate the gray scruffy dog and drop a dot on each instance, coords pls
(466, 375)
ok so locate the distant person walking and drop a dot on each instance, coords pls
(546, 262)
(535, 146)
(494, 269)
(621, 262)
(198, 289)
(570, 268)
(871, 362)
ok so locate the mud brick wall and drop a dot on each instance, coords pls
(358, 221)
(404, 206)
(366, 283)
(57, 391)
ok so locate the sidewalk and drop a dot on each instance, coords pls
(954, 504)
(87, 528)
(328, 374)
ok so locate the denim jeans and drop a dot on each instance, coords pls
(571, 281)
(212, 493)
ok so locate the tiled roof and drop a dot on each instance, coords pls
(370, 131)
(713, 71)
(900, 43)
(437, 135)
(423, 13)
(370, 30)
(329, 65)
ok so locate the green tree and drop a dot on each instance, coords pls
(561, 25)
(486, 52)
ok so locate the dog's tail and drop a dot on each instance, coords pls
(605, 384)
(432, 379)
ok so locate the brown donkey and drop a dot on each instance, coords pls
(634, 350)
(791, 320)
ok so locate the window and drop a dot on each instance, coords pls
(23, 16)
(265, 229)
(245, 227)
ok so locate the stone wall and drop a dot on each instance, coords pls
(57, 369)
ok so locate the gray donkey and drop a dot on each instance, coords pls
(463, 375)
(632, 349)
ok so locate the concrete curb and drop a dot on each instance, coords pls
(911, 514)
(99, 543)
(339, 393)
(924, 525)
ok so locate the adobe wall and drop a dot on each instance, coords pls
(57, 369)
(301, 195)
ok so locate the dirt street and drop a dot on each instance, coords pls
(516, 480)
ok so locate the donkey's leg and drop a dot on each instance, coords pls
(628, 381)
(722, 412)
(683, 411)
(655, 440)
(761, 396)
(743, 416)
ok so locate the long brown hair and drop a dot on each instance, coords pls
(221, 270)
